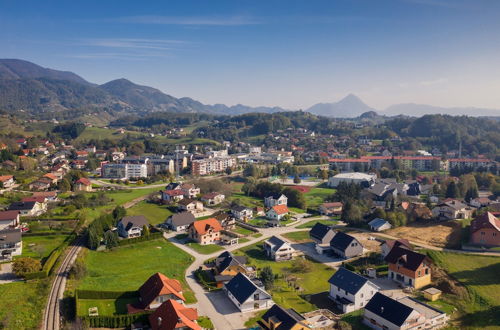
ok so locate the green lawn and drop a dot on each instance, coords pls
(105, 307)
(243, 240)
(242, 231)
(22, 304)
(245, 200)
(311, 223)
(205, 249)
(126, 268)
(41, 246)
(259, 222)
(155, 213)
(311, 282)
(296, 210)
(317, 196)
(298, 236)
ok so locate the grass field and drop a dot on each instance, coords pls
(105, 307)
(311, 282)
(204, 249)
(41, 246)
(311, 223)
(126, 268)
(155, 213)
(22, 304)
(479, 274)
(248, 201)
(317, 196)
(298, 236)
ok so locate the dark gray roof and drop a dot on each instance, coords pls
(134, 221)
(377, 222)
(275, 196)
(347, 280)
(389, 309)
(228, 259)
(341, 241)
(182, 219)
(241, 287)
(276, 242)
(10, 236)
(239, 208)
(319, 231)
(21, 206)
(288, 318)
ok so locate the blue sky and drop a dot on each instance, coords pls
(285, 53)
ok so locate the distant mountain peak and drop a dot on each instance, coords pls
(348, 107)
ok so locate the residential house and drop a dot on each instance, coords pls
(172, 315)
(41, 203)
(228, 265)
(52, 177)
(82, 184)
(172, 196)
(246, 295)
(277, 318)
(331, 209)
(278, 249)
(206, 231)
(345, 245)
(485, 230)
(6, 181)
(225, 219)
(277, 212)
(180, 221)
(378, 224)
(157, 289)
(322, 235)
(132, 226)
(10, 165)
(190, 205)
(452, 209)
(50, 196)
(213, 198)
(350, 291)
(408, 267)
(241, 213)
(387, 245)
(10, 243)
(189, 190)
(27, 209)
(481, 202)
(277, 199)
(41, 184)
(9, 219)
(383, 312)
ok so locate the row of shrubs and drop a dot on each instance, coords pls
(92, 294)
(116, 321)
(144, 238)
(48, 233)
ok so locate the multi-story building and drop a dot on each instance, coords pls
(212, 165)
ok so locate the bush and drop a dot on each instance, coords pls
(23, 266)
(117, 321)
(135, 240)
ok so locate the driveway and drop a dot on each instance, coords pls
(6, 274)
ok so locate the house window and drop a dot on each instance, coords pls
(256, 296)
(427, 271)
(419, 273)
(494, 234)
(362, 295)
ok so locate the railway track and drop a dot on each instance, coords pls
(52, 315)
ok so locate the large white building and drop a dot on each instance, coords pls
(364, 179)
(212, 165)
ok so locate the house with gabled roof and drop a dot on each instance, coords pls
(172, 315)
(451, 209)
(350, 291)
(246, 295)
(180, 221)
(277, 212)
(6, 181)
(205, 231)
(27, 209)
(132, 226)
(387, 245)
(227, 265)
(485, 230)
(322, 235)
(409, 267)
(345, 245)
(82, 184)
(331, 208)
(278, 249)
(280, 318)
(379, 224)
(9, 219)
(11, 243)
(213, 198)
(157, 289)
(241, 213)
(172, 196)
(276, 199)
(190, 205)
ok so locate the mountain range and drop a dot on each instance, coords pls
(32, 88)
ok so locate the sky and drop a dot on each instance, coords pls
(286, 53)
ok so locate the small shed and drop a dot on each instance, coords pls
(432, 294)
(378, 224)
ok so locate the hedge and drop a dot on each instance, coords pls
(92, 294)
(139, 239)
(48, 233)
(117, 321)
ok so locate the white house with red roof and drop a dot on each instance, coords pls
(277, 212)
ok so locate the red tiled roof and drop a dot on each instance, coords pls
(158, 285)
(39, 199)
(4, 178)
(8, 215)
(50, 176)
(332, 204)
(202, 226)
(174, 192)
(348, 160)
(84, 181)
(172, 315)
(280, 209)
(470, 160)
(485, 220)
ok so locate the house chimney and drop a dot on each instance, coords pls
(159, 321)
(381, 309)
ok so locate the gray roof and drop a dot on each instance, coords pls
(239, 208)
(341, 241)
(241, 287)
(182, 219)
(347, 280)
(21, 206)
(276, 242)
(319, 231)
(377, 222)
(134, 221)
(389, 309)
(10, 236)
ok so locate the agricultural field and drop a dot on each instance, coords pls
(155, 213)
(445, 234)
(126, 268)
(22, 304)
(312, 281)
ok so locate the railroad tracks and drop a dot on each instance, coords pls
(52, 315)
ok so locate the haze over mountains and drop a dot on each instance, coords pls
(27, 86)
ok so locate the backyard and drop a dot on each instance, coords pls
(298, 236)
(126, 268)
(41, 246)
(155, 213)
(311, 223)
(204, 249)
(310, 281)
(317, 196)
(106, 307)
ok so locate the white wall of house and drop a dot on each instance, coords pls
(360, 299)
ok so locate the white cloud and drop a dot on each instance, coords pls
(192, 20)
(433, 82)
